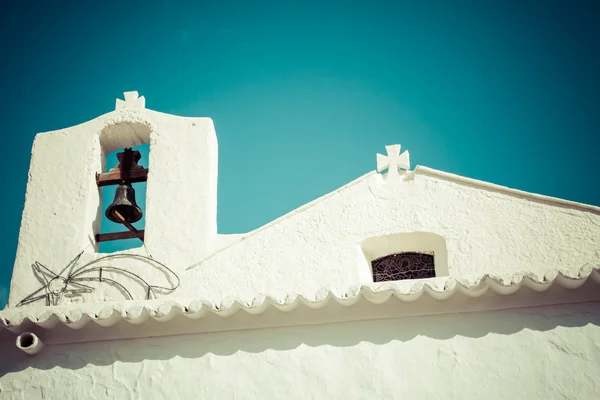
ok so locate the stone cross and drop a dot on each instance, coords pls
(393, 161)
(132, 99)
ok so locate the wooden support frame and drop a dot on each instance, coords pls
(133, 232)
(107, 237)
(114, 177)
(127, 170)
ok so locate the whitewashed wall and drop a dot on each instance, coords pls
(536, 353)
(474, 228)
(63, 210)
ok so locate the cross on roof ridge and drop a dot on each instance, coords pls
(393, 161)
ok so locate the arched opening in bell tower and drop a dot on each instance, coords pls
(122, 182)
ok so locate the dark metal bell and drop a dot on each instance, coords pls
(124, 204)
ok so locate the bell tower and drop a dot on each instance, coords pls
(63, 208)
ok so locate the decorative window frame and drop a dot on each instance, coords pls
(406, 242)
(389, 268)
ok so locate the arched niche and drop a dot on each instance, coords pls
(121, 135)
(409, 242)
(114, 138)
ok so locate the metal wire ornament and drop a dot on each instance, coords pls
(400, 266)
(60, 285)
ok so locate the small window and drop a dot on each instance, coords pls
(401, 266)
(403, 255)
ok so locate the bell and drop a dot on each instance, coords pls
(124, 204)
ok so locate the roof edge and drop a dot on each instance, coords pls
(286, 216)
(419, 169)
(61, 324)
(125, 115)
(504, 189)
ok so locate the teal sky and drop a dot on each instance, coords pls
(304, 94)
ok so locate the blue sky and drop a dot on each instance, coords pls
(304, 94)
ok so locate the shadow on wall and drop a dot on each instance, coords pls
(436, 327)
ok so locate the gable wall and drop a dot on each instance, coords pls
(485, 231)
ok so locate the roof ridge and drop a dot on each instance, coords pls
(506, 189)
(418, 169)
(284, 217)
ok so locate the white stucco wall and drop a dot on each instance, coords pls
(62, 209)
(329, 242)
(473, 228)
(536, 353)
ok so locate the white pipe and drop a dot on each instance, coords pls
(29, 343)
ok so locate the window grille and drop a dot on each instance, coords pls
(401, 266)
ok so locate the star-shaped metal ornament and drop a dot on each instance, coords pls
(55, 286)
(67, 282)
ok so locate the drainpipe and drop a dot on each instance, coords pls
(29, 343)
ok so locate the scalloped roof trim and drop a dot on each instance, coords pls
(77, 316)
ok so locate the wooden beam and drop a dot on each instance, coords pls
(113, 177)
(127, 224)
(106, 237)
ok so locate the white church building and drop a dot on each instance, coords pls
(406, 283)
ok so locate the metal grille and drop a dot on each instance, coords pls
(400, 266)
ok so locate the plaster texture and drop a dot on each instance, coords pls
(534, 353)
(63, 204)
(290, 309)
(474, 229)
